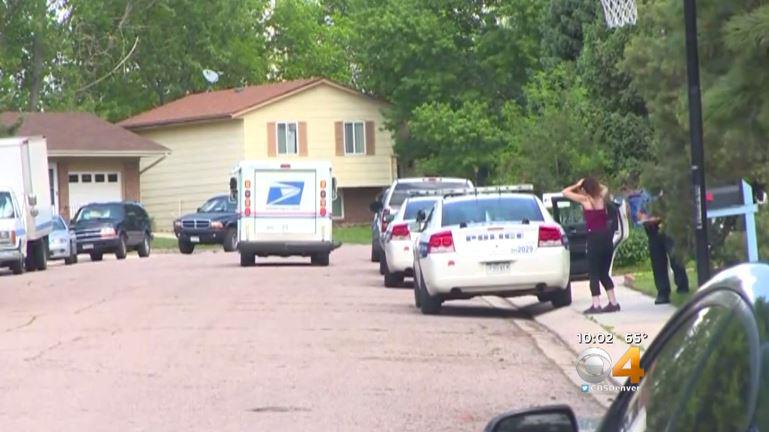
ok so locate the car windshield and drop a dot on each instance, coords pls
(58, 224)
(6, 206)
(413, 207)
(402, 190)
(484, 210)
(100, 211)
(218, 205)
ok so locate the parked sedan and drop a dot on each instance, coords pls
(397, 261)
(215, 222)
(62, 243)
(490, 241)
(707, 370)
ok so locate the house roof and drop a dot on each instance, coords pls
(82, 134)
(223, 104)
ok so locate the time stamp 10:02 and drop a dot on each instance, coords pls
(608, 338)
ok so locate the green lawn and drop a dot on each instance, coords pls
(353, 234)
(171, 245)
(644, 282)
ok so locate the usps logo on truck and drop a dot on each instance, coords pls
(286, 193)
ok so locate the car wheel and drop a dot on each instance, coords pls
(561, 298)
(72, 258)
(375, 253)
(186, 247)
(41, 254)
(144, 247)
(391, 279)
(122, 249)
(429, 305)
(96, 256)
(320, 259)
(230, 240)
(18, 267)
(247, 259)
(417, 303)
(382, 264)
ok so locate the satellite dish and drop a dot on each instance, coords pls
(210, 76)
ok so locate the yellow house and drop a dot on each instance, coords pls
(314, 119)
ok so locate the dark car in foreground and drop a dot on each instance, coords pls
(215, 222)
(112, 227)
(707, 370)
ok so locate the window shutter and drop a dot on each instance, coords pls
(339, 131)
(272, 147)
(302, 138)
(370, 140)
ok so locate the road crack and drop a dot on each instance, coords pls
(19, 327)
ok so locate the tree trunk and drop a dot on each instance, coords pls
(36, 83)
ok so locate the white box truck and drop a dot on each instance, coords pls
(26, 213)
(285, 209)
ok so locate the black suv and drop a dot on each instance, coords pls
(215, 222)
(112, 227)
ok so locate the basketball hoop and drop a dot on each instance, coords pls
(619, 13)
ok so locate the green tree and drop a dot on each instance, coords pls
(129, 55)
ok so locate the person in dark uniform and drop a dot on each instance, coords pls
(661, 253)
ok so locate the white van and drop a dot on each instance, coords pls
(285, 209)
(26, 213)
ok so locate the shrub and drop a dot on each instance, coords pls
(634, 250)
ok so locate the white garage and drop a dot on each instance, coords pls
(88, 187)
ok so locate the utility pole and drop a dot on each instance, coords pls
(697, 148)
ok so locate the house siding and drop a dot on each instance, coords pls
(321, 108)
(202, 157)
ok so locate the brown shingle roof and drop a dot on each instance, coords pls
(81, 133)
(214, 105)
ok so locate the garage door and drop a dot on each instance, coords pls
(88, 187)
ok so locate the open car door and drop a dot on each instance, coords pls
(569, 215)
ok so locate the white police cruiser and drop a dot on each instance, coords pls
(497, 241)
(398, 241)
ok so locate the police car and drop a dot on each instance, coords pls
(397, 242)
(497, 241)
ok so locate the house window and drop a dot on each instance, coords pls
(98, 178)
(354, 138)
(287, 138)
(112, 178)
(74, 178)
(337, 206)
(86, 178)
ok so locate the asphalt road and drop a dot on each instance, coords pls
(197, 343)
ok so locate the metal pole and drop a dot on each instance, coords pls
(697, 149)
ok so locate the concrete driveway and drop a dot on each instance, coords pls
(197, 343)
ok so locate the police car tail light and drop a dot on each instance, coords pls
(401, 232)
(550, 236)
(385, 213)
(441, 242)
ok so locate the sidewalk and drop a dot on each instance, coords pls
(639, 314)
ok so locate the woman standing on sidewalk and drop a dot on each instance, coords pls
(592, 196)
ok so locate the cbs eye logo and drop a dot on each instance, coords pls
(594, 365)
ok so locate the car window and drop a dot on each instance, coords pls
(700, 380)
(6, 206)
(214, 205)
(499, 209)
(413, 207)
(58, 225)
(231, 205)
(569, 212)
(402, 190)
(100, 211)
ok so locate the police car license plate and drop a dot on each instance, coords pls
(195, 239)
(498, 267)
